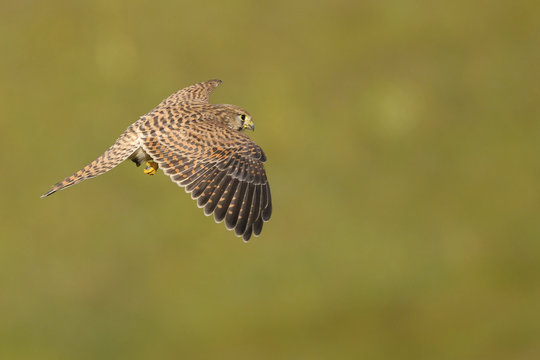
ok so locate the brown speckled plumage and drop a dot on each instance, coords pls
(201, 147)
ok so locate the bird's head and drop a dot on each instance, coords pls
(236, 118)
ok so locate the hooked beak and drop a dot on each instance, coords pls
(248, 124)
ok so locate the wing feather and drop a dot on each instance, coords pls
(195, 93)
(221, 168)
(224, 204)
(243, 215)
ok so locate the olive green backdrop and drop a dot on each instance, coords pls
(403, 142)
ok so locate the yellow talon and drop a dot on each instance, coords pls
(150, 168)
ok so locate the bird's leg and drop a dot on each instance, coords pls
(150, 168)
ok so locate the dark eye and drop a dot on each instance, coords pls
(243, 117)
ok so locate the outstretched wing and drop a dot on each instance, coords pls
(221, 168)
(195, 93)
(126, 144)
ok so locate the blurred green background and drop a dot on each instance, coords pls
(403, 141)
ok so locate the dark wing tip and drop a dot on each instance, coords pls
(257, 226)
(267, 210)
(263, 156)
(247, 234)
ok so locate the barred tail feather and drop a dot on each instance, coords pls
(122, 149)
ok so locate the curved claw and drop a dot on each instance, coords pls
(151, 168)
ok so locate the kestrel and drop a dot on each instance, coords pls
(202, 148)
